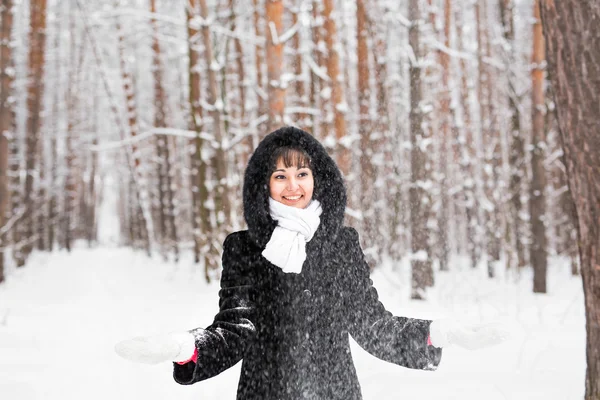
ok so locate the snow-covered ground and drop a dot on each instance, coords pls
(61, 315)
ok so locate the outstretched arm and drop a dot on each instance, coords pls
(402, 341)
(223, 343)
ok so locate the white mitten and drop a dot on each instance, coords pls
(445, 332)
(176, 346)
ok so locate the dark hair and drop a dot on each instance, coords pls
(291, 156)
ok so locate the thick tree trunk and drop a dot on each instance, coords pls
(573, 48)
(537, 200)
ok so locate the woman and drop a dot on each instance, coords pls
(293, 287)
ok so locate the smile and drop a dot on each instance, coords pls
(292, 198)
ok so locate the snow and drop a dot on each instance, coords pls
(61, 315)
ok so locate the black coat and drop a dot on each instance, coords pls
(291, 330)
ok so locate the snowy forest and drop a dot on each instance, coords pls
(132, 121)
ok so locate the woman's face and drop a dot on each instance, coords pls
(291, 186)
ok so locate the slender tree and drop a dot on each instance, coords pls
(573, 50)
(201, 222)
(468, 154)
(274, 58)
(420, 258)
(537, 200)
(35, 87)
(337, 89)
(517, 149)
(6, 122)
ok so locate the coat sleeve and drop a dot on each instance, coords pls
(399, 340)
(222, 344)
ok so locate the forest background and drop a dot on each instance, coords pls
(441, 115)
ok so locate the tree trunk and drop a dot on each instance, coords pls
(537, 201)
(573, 46)
(302, 119)
(72, 104)
(258, 65)
(365, 128)
(201, 224)
(337, 89)
(274, 52)
(517, 147)
(35, 90)
(420, 258)
(445, 132)
(468, 152)
(220, 164)
(142, 215)
(7, 121)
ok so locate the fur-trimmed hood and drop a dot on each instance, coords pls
(329, 185)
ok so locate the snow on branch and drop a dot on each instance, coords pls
(315, 68)
(148, 134)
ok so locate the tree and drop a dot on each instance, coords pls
(35, 87)
(517, 150)
(537, 200)
(274, 55)
(573, 54)
(337, 89)
(168, 228)
(421, 259)
(6, 120)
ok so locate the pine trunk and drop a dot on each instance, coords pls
(201, 224)
(337, 89)
(517, 146)
(420, 258)
(274, 52)
(142, 218)
(445, 132)
(573, 46)
(6, 123)
(365, 128)
(219, 164)
(468, 152)
(35, 89)
(537, 201)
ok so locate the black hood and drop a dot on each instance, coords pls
(329, 186)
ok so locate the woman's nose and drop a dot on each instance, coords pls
(292, 184)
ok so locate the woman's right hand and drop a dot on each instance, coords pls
(175, 346)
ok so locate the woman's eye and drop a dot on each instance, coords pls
(302, 174)
(279, 176)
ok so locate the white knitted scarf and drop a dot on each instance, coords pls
(295, 227)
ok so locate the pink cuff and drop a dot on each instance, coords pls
(428, 341)
(193, 358)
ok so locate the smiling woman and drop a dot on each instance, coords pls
(294, 286)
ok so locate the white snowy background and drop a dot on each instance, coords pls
(61, 315)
